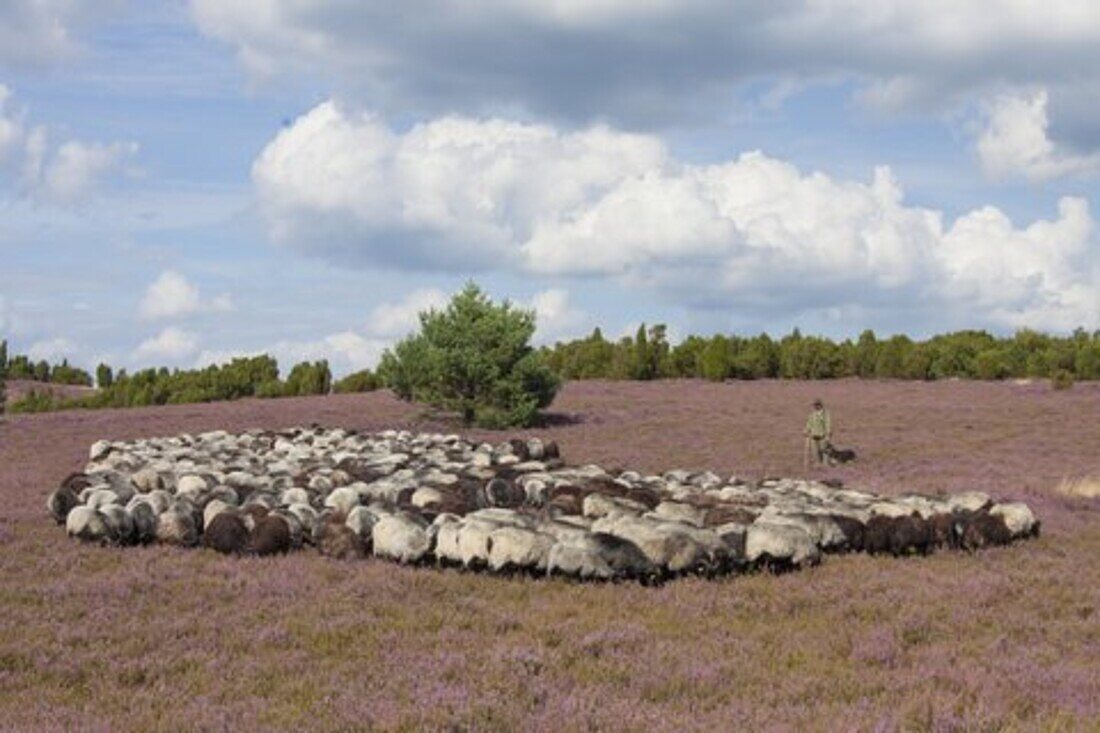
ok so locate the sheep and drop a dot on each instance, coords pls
(898, 535)
(599, 505)
(145, 521)
(212, 509)
(343, 499)
(981, 529)
(503, 493)
(513, 548)
(1018, 518)
(175, 526)
(85, 523)
(779, 546)
(680, 512)
(474, 541)
(445, 532)
(60, 502)
(100, 498)
(226, 533)
(728, 514)
(578, 561)
(120, 525)
(270, 536)
(399, 537)
(339, 541)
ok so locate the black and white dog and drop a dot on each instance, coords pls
(834, 455)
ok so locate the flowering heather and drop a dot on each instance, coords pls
(160, 639)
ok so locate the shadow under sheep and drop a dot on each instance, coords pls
(514, 507)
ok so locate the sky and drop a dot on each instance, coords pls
(183, 182)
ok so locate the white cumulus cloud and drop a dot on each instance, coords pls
(63, 173)
(1015, 141)
(172, 295)
(345, 351)
(556, 317)
(401, 318)
(171, 344)
(53, 350)
(753, 233)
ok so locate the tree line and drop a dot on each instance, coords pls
(474, 358)
(242, 377)
(963, 354)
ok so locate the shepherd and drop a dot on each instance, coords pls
(819, 431)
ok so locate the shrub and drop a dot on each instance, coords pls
(104, 377)
(309, 379)
(270, 389)
(473, 358)
(1061, 379)
(35, 401)
(364, 381)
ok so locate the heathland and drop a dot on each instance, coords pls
(158, 638)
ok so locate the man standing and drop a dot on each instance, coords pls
(819, 430)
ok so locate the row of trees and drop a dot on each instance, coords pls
(474, 358)
(243, 377)
(20, 366)
(964, 354)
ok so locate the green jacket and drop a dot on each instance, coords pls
(819, 425)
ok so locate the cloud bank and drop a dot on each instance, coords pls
(753, 233)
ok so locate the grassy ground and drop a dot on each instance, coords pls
(162, 639)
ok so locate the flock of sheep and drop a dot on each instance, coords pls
(512, 507)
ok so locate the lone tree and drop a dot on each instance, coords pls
(474, 358)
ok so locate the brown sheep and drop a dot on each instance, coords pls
(339, 541)
(567, 503)
(982, 529)
(226, 533)
(897, 535)
(727, 514)
(270, 536)
(645, 496)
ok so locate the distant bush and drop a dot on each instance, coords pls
(38, 401)
(104, 377)
(474, 358)
(63, 373)
(271, 389)
(239, 378)
(363, 381)
(309, 379)
(1062, 379)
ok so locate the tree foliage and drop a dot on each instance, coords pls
(474, 358)
(361, 381)
(962, 354)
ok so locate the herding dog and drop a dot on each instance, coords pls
(834, 455)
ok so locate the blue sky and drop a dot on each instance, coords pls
(181, 182)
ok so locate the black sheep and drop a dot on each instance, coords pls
(852, 529)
